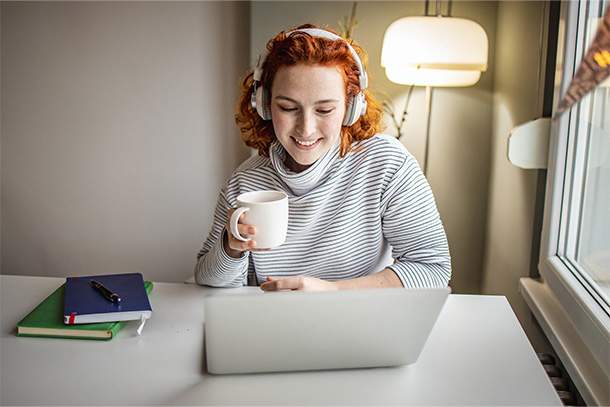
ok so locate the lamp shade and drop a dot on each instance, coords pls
(434, 51)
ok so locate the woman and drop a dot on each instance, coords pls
(354, 194)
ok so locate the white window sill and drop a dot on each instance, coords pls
(585, 372)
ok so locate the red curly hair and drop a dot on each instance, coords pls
(302, 48)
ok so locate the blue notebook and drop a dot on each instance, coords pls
(85, 304)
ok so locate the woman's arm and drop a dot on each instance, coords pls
(383, 279)
(215, 267)
(413, 228)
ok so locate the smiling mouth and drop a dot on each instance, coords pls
(306, 143)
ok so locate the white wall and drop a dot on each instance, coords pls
(461, 123)
(117, 132)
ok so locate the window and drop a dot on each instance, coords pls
(586, 229)
(572, 304)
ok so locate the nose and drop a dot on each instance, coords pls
(306, 124)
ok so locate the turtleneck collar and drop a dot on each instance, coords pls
(302, 182)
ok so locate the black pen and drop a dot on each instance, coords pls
(105, 291)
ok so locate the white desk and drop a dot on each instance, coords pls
(477, 354)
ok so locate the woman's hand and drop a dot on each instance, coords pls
(300, 283)
(235, 247)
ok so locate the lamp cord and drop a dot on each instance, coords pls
(438, 8)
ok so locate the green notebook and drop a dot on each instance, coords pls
(47, 320)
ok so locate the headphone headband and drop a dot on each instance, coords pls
(356, 104)
(320, 33)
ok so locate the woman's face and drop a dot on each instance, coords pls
(307, 109)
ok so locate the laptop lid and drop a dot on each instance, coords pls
(288, 331)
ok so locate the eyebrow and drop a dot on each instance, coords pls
(319, 102)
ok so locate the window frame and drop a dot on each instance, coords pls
(586, 353)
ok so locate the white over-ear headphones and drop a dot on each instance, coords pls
(356, 104)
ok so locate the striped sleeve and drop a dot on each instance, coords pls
(412, 226)
(214, 266)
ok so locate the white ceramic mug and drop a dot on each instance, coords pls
(267, 211)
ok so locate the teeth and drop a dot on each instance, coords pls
(306, 143)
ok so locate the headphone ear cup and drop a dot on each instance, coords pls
(260, 102)
(348, 119)
(356, 107)
(263, 105)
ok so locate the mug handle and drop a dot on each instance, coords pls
(233, 223)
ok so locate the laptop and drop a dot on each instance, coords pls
(294, 331)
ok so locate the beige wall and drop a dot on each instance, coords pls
(461, 123)
(117, 132)
(512, 193)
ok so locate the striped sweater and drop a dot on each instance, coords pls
(345, 215)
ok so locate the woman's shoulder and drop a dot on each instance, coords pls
(382, 148)
(254, 173)
(383, 143)
(252, 163)
(384, 153)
